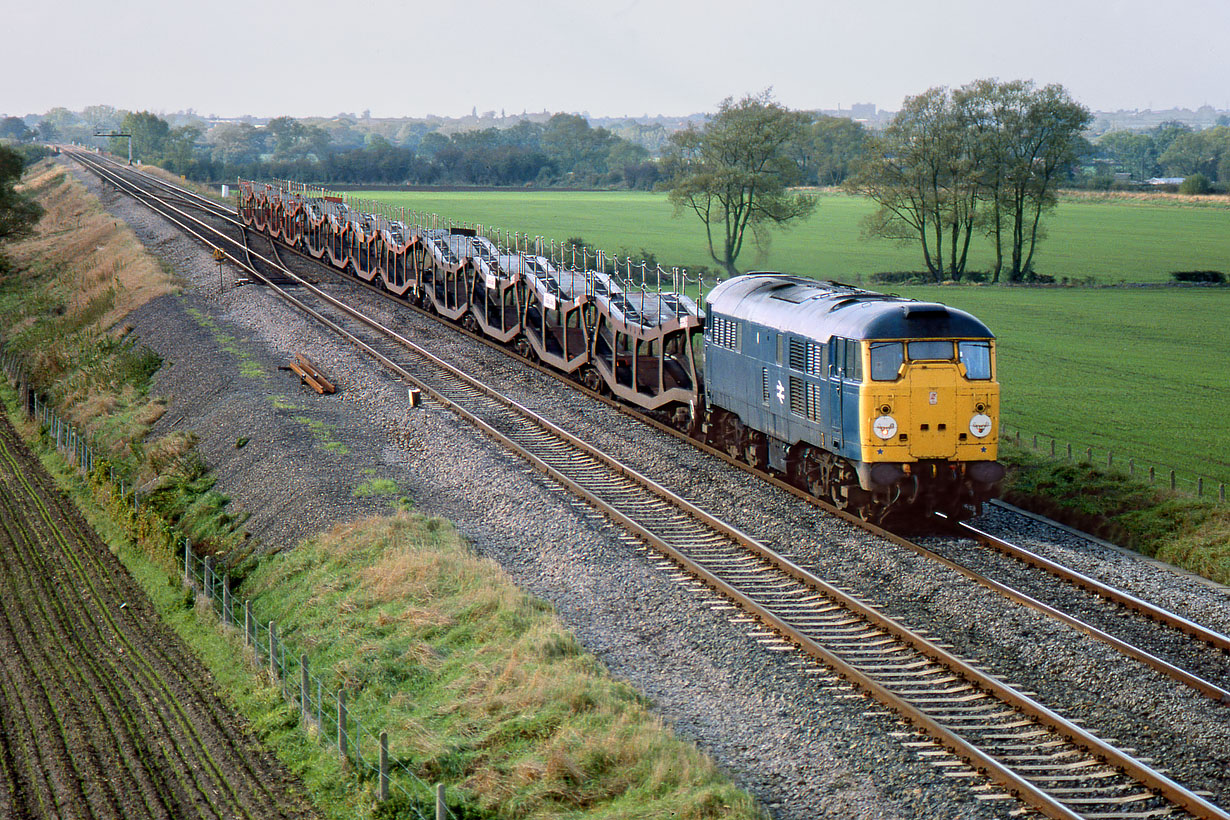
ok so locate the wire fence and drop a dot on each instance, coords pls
(1154, 474)
(322, 710)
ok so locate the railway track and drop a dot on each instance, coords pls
(1001, 733)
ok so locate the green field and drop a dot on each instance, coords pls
(1143, 372)
(1111, 240)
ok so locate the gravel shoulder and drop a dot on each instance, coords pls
(803, 743)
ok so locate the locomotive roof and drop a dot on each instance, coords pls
(819, 310)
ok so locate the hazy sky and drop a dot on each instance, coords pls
(616, 57)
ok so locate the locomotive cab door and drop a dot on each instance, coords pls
(836, 391)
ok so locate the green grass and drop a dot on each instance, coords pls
(1111, 240)
(376, 486)
(1144, 372)
(477, 683)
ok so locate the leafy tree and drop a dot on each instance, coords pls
(920, 172)
(179, 150)
(236, 143)
(47, 131)
(734, 172)
(1167, 132)
(1133, 151)
(1197, 152)
(14, 128)
(149, 136)
(18, 213)
(830, 149)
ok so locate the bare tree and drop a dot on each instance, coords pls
(988, 155)
(734, 173)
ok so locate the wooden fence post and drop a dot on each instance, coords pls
(247, 623)
(206, 582)
(1172, 481)
(341, 723)
(441, 806)
(273, 654)
(305, 699)
(384, 766)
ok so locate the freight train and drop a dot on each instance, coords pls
(883, 406)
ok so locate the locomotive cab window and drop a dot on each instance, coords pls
(933, 349)
(886, 361)
(976, 356)
(847, 359)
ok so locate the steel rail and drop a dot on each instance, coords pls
(1125, 599)
(1003, 775)
(1099, 588)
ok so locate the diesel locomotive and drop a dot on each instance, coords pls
(876, 403)
(883, 406)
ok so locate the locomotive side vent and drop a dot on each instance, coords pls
(798, 397)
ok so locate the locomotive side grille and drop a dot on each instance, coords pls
(764, 384)
(798, 397)
(798, 354)
(725, 332)
(813, 401)
(815, 359)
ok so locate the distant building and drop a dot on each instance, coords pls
(863, 111)
(1167, 180)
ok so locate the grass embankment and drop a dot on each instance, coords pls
(1108, 240)
(1177, 528)
(478, 684)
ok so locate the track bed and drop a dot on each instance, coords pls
(103, 712)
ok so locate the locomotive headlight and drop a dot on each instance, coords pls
(885, 427)
(980, 425)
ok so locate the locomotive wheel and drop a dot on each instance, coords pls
(730, 435)
(756, 449)
(838, 476)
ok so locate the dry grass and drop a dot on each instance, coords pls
(99, 253)
(1150, 197)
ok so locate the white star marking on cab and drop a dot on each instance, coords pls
(781, 392)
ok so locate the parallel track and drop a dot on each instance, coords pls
(1043, 759)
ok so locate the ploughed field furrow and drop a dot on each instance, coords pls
(104, 713)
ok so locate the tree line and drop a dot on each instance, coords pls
(1171, 149)
(982, 162)
(563, 150)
